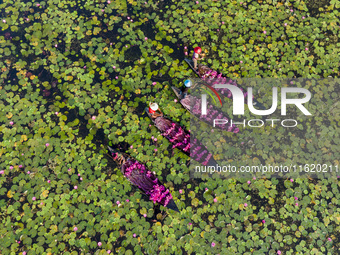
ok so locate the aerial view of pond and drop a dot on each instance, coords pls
(108, 142)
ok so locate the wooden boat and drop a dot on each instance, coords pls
(212, 77)
(212, 111)
(144, 179)
(183, 140)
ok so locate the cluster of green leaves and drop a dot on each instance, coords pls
(76, 75)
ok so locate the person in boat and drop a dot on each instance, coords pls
(184, 90)
(196, 56)
(154, 111)
(143, 178)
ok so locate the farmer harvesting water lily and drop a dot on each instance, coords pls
(154, 111)
(184, 91)
(143, 178)
(180, 136)
(195, 57)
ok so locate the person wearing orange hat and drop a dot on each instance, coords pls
(195, 57)
(154, 111)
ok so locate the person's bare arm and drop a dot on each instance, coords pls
(202, 56)
(157, 114)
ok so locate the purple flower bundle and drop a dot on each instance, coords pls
(145, 180)
(133, 165)
(160, 195)
(181, 139)
(200, 152)
(178, 136)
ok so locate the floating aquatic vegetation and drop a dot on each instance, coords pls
(64, 62)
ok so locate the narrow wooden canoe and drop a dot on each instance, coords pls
(144, 179)
(183, 140)
(212, 112)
